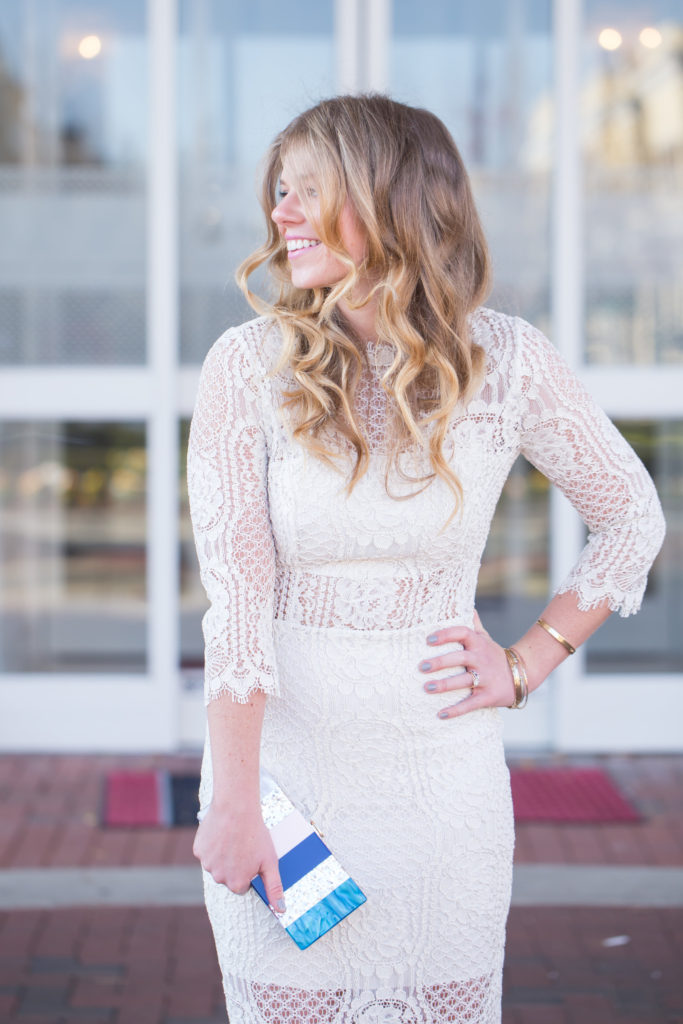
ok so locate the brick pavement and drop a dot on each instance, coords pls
(559, 969)
(129, 966)
(156, 965)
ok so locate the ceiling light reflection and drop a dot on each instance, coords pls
(610, 39)
(89, 47)
(650, 37)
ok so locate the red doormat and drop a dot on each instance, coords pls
(135, 799)
(144, 799)
(569, 795)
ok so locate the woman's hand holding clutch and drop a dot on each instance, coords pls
(234, 846)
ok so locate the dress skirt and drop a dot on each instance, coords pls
(417, 810)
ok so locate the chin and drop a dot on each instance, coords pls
(310, 281)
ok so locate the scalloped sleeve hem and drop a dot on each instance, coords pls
(240, 695)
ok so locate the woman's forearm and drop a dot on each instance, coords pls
(235, 734)
(232, 841)
(541, 652)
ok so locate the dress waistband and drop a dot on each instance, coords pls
(372, 603)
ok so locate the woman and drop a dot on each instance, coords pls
(347, 452)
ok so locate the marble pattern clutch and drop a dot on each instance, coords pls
(318, 891)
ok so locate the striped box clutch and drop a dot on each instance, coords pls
(318, 891)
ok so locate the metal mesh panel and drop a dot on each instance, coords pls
(204, 314)
(72, 327)
(10, 325)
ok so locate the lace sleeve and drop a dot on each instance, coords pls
(227, 484)
(569, 439)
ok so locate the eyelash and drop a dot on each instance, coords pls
(310, 192)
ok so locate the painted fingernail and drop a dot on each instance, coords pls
(279, 907)
(430, 687)
(442, 714)
(425, 666)
(432, 638)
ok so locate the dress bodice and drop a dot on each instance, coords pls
(279, 537)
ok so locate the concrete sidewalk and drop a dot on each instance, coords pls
(106, 925)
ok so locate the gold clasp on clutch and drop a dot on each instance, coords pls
(317, 829)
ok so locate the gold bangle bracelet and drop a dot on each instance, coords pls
(551, 631)
(516, 678)
(524, 681)
(519, 677)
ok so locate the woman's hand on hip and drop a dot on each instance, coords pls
(234, 847)
(487, 674)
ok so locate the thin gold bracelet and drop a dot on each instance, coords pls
(519, 677)
(551, 631)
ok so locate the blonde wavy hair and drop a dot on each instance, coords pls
(426, 259)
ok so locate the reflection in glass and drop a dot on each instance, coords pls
(72, 547)
(652, 641)
(486, 70)
(632, 127)
(73, 138)
(244, 71)
(514, 577)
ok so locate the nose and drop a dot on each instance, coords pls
(288, 210)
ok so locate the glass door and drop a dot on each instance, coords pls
(87, 555)
(625, 691)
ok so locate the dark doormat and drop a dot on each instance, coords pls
(569, 795)
(185, 799)
(148, 799)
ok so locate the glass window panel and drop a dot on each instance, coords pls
(652, 641)
(632, 125)
(245, 70)
(514, 577)
(72, 547)
(193, 601)
(73, 138)
(486, 70)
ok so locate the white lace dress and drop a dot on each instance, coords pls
(325, 602)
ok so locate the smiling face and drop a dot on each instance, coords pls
(312, 264)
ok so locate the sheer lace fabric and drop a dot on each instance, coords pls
(324, 601)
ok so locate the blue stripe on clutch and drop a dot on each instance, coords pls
(325, 914)
(296, 863)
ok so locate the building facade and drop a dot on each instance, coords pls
(130, 136)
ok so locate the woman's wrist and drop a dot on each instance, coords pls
(239, 810)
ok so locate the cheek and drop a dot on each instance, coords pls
(353, 236)
(334, 266)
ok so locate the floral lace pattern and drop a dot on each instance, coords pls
(324, 601)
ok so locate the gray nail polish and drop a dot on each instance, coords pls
(443, 714)
(432, 638)
(280, 906)
(430, 687)
(425, 666)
